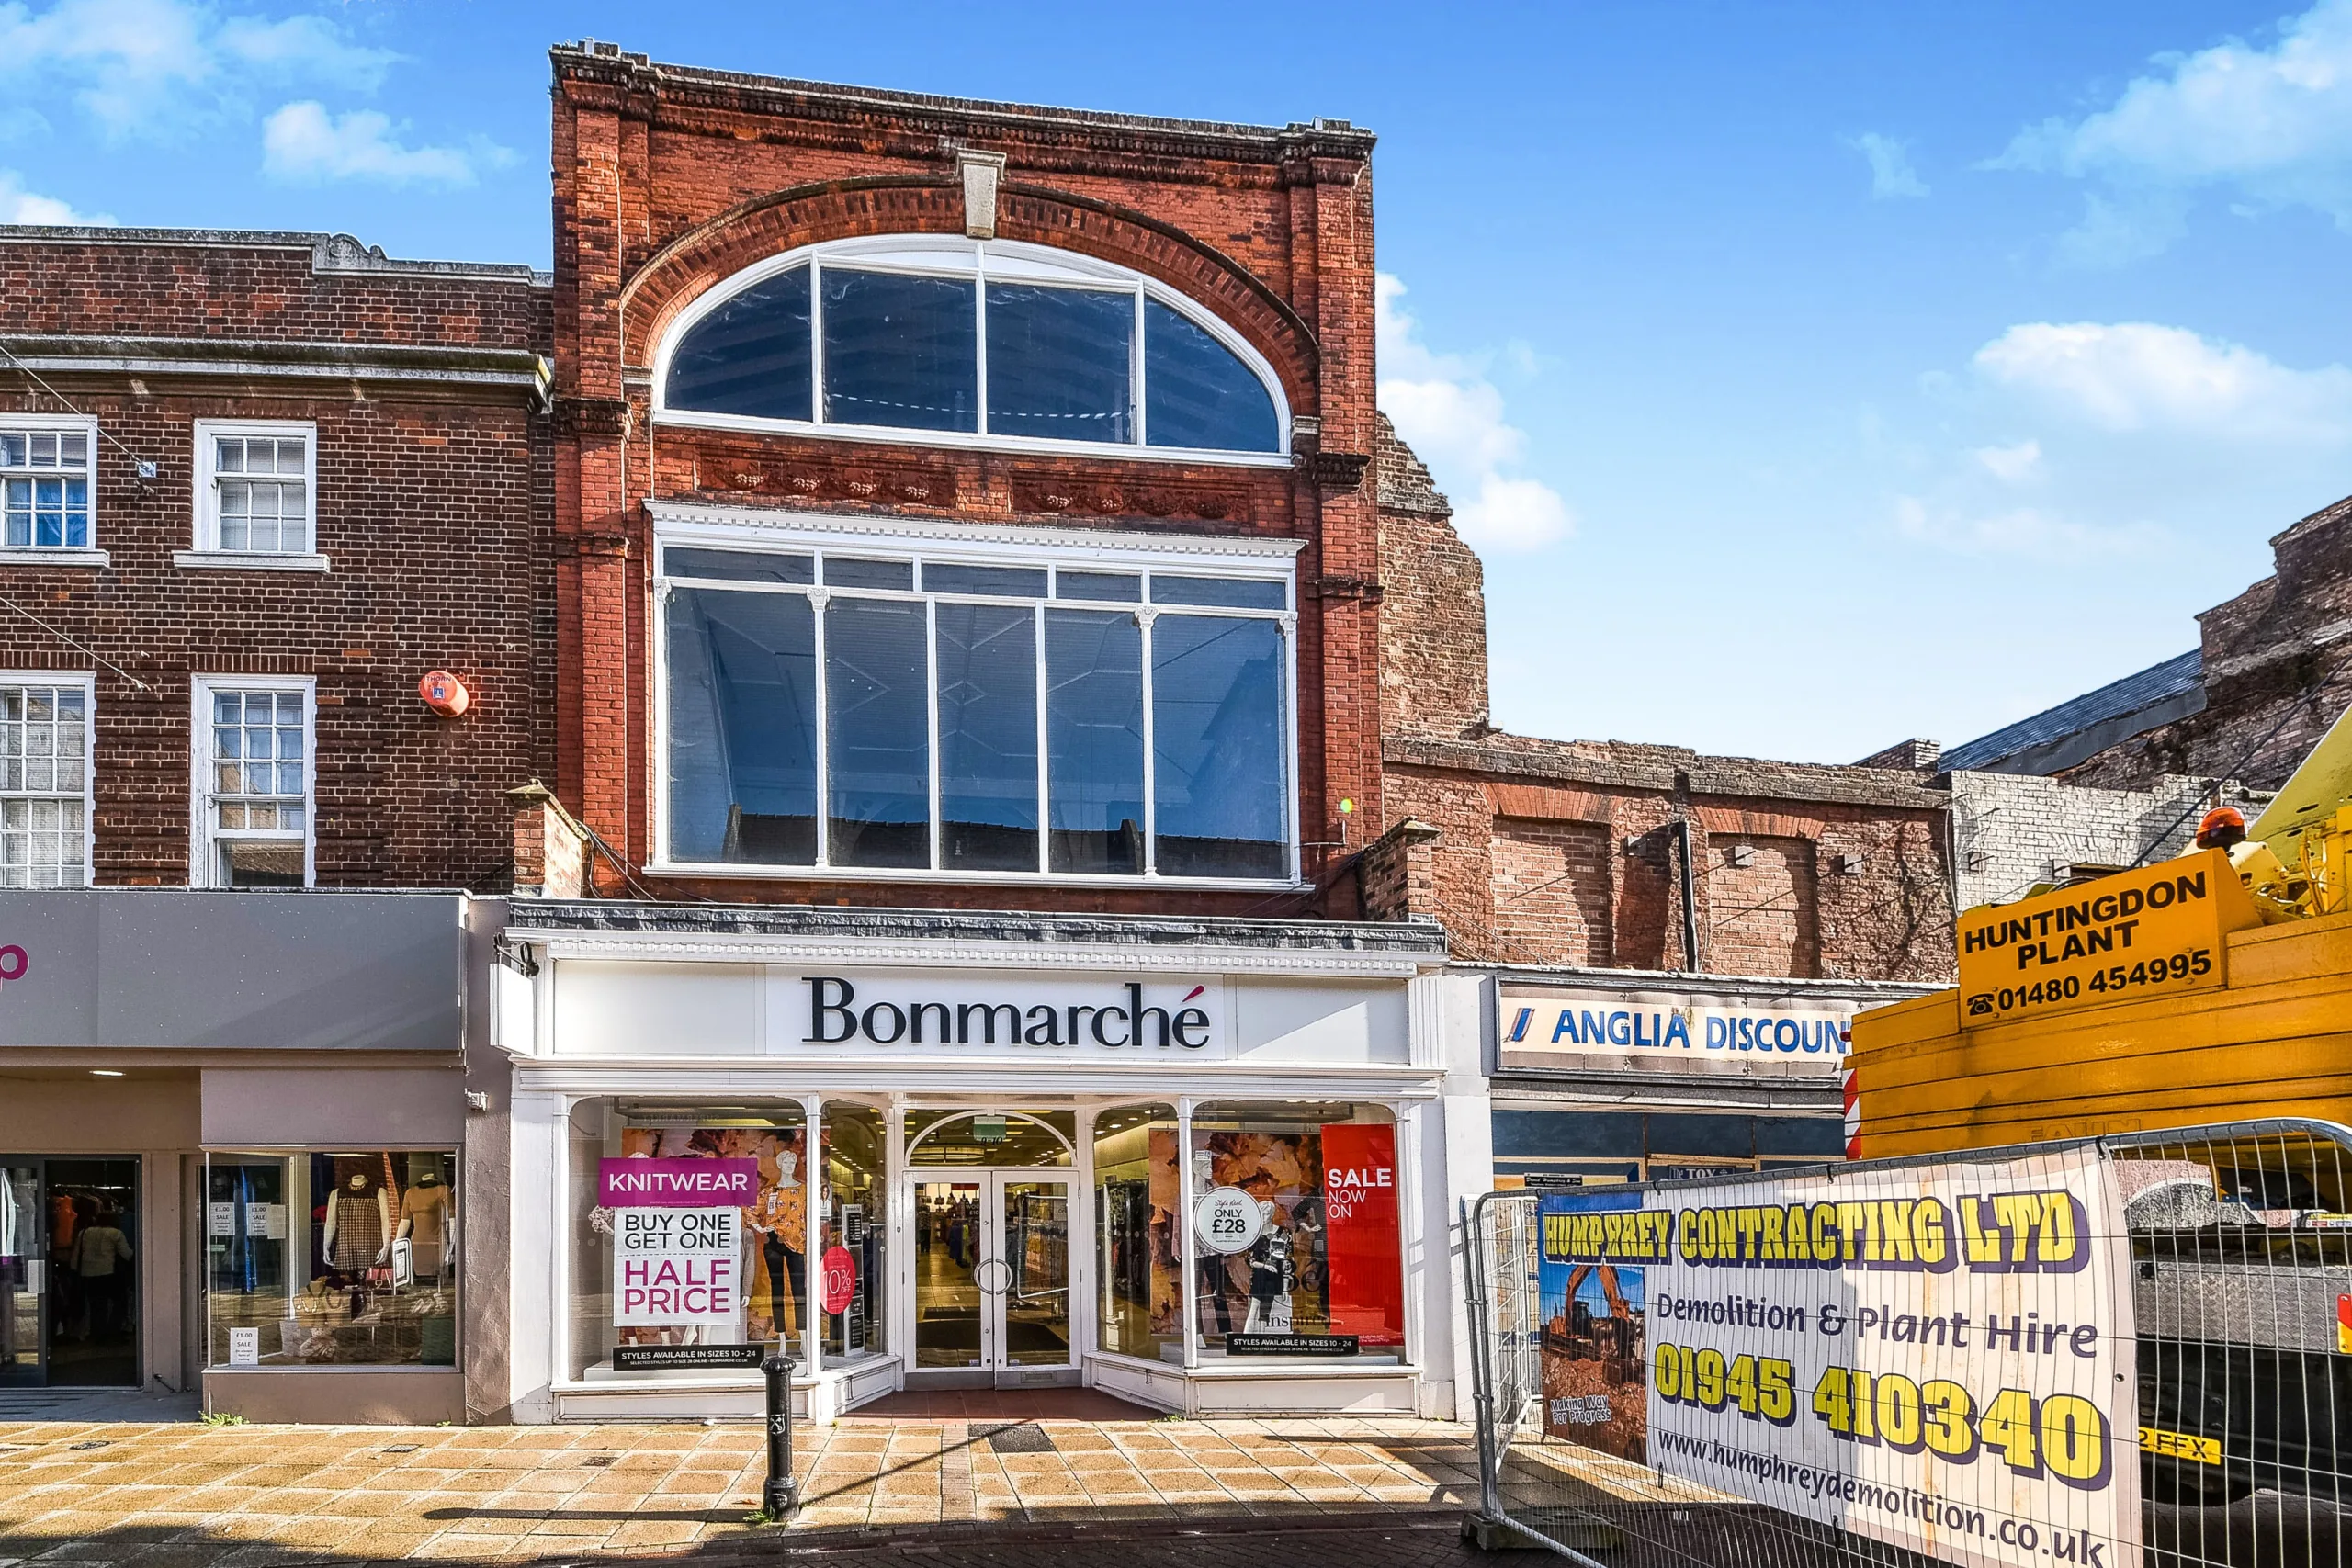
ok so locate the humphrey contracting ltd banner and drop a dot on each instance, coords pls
(1934, 1357)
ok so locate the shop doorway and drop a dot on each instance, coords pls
(69, 1244)
(992, 1277)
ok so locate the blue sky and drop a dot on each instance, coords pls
(1809, 376)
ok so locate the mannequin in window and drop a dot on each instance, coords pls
(425, 1224)
(780, 1219)
(358, 1232)
(1214, 1270)
(1270, 1274)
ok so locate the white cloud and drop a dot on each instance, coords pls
(2137, 376)
(2025, 531)
(150, 66)
(2011, 465)
(1453, 416)
(303, 144)
(2273, 126)
(1891, 176)
(18, 205)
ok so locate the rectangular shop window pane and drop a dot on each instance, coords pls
(1219, 775)
(988, 737)
(1002, 581)
(1234, 592)
(738, 566)
(1138, 1256)
(878, 707)
(1059, 363)
(848, 571)
(1108, 587)
(620, 1254)
(852, 1257)
(743, 728)
(1307, 1246)
(750, 355)
(901, 351)
(1094, 741)
(343, 1259)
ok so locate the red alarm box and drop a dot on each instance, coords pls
(444, 694)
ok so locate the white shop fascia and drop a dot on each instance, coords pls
(907, 1012)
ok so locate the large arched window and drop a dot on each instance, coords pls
(937, 337)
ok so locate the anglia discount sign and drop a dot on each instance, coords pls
(2154, 930)
(1938, 1356)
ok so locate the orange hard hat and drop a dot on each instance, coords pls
(2223, 826)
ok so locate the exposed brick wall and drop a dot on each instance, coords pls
(2278, 673)
(667, 181)
(430, 506)
(1763, 907)
(1551, 889)
(1432, 606)
(2014, 831)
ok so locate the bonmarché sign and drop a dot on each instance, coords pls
(1171, 1019)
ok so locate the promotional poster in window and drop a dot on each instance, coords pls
(773, 1268)
(1594, 1333)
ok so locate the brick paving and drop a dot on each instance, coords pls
(76, 1495)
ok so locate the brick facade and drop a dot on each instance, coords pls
(668, 181)
(1570, 853)
(423, 380)
(2276, 672)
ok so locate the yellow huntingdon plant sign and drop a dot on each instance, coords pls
(2152, 931)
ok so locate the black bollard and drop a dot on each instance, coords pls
(782, 1494)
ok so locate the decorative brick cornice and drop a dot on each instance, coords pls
(1340, 472)
(1363, 589)
(602, 545)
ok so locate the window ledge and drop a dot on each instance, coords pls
(52, 555)
(248, 560)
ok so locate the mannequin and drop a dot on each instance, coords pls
(1271, 1275)
(424, 1223)
(1214, 1280)
(359, 1225)
(780, 1217)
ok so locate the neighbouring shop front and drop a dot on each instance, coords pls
(233, 1147)
(1610, 1076)
(1200, 1164)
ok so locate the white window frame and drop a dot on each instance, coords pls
(206, 495)
(202, 866)
(87, 683)
(88, 554)
(710, 527)
(982, 263)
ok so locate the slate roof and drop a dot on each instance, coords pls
(2119, 699)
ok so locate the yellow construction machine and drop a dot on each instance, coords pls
(2216, 986)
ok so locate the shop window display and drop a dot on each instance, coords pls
(1139, 1306)
(332, 1259)
(667, 1254)
(1295, 1231)
(851, 1260)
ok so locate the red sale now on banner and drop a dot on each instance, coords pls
(1360, 1219)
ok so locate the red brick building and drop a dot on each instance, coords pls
(700, 202)
(255, 486)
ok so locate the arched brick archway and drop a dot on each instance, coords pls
(706, 255)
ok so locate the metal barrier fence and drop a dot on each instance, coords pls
(1996, 1435)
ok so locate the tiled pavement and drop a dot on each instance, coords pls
(181, 1496)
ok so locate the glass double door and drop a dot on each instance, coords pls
(992, 1277)
(69, 1272)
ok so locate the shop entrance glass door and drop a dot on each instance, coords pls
(992, 1277)
(69, 1272)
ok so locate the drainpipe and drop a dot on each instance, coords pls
(1690, 902)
